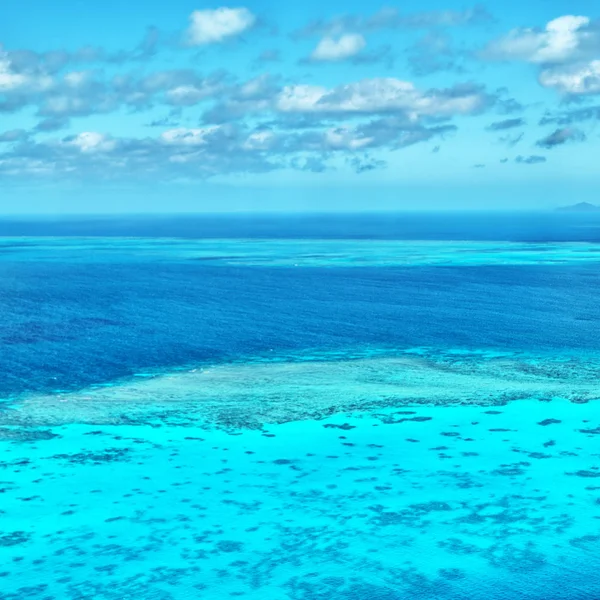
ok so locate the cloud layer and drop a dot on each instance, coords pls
(346, 99)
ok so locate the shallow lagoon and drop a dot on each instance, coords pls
(424, 502)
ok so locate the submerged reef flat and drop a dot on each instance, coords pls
(427, 502)
(257, 392)
(299, 252)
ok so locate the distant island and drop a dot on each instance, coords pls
(580, 207)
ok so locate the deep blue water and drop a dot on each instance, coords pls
(68, 323)
(275, 421)
(457, 225)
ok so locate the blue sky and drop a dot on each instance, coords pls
(194, 106)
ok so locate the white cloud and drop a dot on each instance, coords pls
(260, 140)
(90, 142)
(198, 153)
(332, 49)
(563, 39)
(299, 98)
(187, 95)
(578, 79)
(343, 138)
(212, 26)
(567, 51)
(381, 95)
(8, 80)
(77, 79)
(187, 137)
(11, 81)
(257, 87)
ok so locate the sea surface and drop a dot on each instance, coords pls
(308, 407)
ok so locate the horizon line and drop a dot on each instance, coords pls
(286, 213)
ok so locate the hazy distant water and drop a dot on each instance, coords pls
(457, 225)
(308, 407)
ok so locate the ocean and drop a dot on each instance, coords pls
(303, 407)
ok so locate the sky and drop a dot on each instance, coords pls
(191, 106)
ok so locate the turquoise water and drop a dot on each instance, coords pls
(300, 252)
(279, 419)
(423, 502)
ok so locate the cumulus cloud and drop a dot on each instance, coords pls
(188, 137)
(174, 82)
(530, 160)
(395, 132)
(52, 94)
(77, 94)
(254, 125)
(212, 26)
(344, 138)
(562, 40)
(506, 124)
(12, 81)
(90, 142)
(189, 94)
(82, 93)
(193, 153)
(366, 164)
(366, 97)
(29, 62)
(560, 137)
(383, 95)
(202, 152)
(253, 96)
(578, 80)
(568, 117)
(261, 140)
(566, 51)
(341, 48)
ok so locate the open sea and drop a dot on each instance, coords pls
(308, 407)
